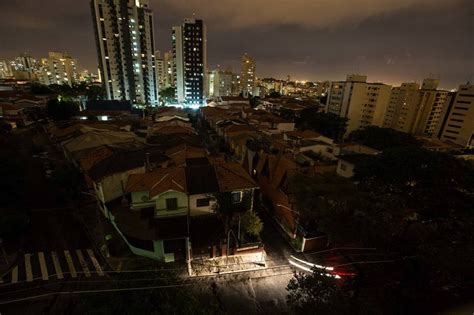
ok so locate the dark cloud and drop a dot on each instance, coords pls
(388, 40)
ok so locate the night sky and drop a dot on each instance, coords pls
(389, 40)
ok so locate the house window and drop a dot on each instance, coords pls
(204, 202)
(172, 204)
(237, 197)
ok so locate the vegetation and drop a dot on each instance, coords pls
(274, 94)
(316, 293)
(61, 110)
(252, 226)
(167, 96)
(254, 101)
(383, 138)
(414, 206)
(329, 125)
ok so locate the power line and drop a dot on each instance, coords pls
(34, 297)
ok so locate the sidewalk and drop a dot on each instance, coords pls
(229, 264)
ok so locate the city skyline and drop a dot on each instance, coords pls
(391, 43)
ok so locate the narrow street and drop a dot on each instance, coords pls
(56, 256)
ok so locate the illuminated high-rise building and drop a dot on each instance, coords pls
(416, 111)
(164, 69)
(458, 125)
(220, 83)
(126, 49)
(362, 103)
(248, 75)
(190, 62)
(59, 68)
(5, 70)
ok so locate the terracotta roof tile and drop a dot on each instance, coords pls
(158, 181)
(231, 176)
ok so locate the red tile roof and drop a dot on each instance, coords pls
(231, 177)
(158, 181)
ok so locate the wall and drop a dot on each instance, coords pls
(161, 203)
(197, 211)
(284, 127)
(113, 185)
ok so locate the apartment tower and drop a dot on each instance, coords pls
(459, 124)
(248, 75)
(125, 49)
(362, 103)
(190, 62)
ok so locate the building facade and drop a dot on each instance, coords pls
(459, 125)
(190, 62)
(362, 103)
(5, 70)
(248, 75)
(126, 49)
(220, 83)
(416, 111)
(59, 68)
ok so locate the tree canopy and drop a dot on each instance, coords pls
(421, 177)
(274, 94)
(167, 95)
(316, 293)
(61, 110)
(413, 205)
(382, 138)
(329, 125)
(252, 226)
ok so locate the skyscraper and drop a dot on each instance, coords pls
(190, 62)
(247, 76)
(58, 68)
(24, 62)
(5, 70)
(220, 83)
(414, 110)
(363, 103)
(164, 69)
(125, 48)
(459, 124)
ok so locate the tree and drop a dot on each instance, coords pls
(329, 125)
(61, 110)
(251, 225)
(167, 95)
(317, 293)
(382, 138)
(274, 94)
(40, 89)
(421, 177)
(254, 101)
